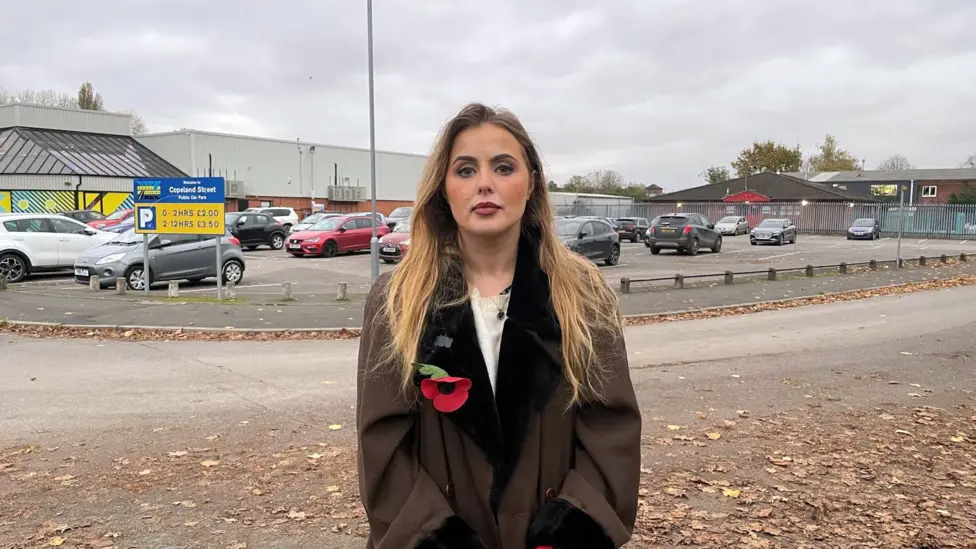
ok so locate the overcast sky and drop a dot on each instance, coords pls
(656, 89)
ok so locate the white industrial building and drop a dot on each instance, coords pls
(264, 171)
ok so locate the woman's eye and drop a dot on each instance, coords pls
(505, 169)
(466, 171)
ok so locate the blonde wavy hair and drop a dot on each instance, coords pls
(585, 307)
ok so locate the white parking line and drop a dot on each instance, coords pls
(775, 256)
(923, 241)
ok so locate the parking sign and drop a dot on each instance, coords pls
(146, 218)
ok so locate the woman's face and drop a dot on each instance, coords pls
(488, 181)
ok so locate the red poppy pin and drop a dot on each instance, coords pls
(448, 393)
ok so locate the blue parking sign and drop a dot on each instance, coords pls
(146, 218)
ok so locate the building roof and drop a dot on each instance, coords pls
(28, 151)
(778, 187)
(884, 176)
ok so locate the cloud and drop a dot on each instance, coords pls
(656, 90)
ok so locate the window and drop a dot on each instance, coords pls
(29, 226)
(930, 191)
(263, 219)
(589, 229)
(67, 226)
(364, 224)
(175, 239)
(884, 190)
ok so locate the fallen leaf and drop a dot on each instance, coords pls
(210, 462)
(332, 488)
(64, 478)
(713, 436)
(144, 472)
(731, 492)
(316, 455)
(178, 453)
(674, 427)
(335, 427)
(56, 541)
(958, 438)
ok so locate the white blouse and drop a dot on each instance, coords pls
(489, 321)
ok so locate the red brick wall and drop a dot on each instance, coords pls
(303, 206)
(943, 190)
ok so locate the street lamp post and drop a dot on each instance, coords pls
(374, 243)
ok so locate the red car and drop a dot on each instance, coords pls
(395, 245)
(333, 236)
(118, 217)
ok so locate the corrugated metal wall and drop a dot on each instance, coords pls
(57, 118)
(270, 167)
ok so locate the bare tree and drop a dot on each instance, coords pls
(896, 163)
(139, 126)
(48, 98)
(969, 162)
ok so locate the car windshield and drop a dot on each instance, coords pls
(625, 221)
(729, 219)
(118, 214)
(864, 223)
(403, 227)
(401, 212)
(229, 219)
(314, 218)
(329, 224)
(772, 223)
(673, 220)
(568, 228)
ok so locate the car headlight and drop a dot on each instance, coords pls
(110, 258)
(406, 242)
(313, 240)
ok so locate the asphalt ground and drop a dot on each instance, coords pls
(315, 279)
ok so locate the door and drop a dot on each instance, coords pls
(603, 239)
(708, 235)
(346, 237)
(181, 256)
(38, 237)
(72, 240)
(249, 231)
(364, 232)
(589, 242)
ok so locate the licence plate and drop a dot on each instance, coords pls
(293, 245)
(389, 250)
(81, 272)
(668, 230)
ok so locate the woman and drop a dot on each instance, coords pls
(495, 409)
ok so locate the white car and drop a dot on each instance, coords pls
(732, 225)
(32, 243)
(286, 217)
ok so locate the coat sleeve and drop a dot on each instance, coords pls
(404, 506)
(596, 507)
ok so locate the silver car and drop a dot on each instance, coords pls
(172, 257)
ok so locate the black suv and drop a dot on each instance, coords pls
(685, 232)
(631, 228)
(255, 229)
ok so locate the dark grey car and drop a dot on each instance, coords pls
(773, 231)
(685, 232)
(592, 238)
(172, 257)
(865, 228)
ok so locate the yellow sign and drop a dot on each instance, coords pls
(161, 218)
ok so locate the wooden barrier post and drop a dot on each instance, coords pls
(679, 281)
(810, 272)
(922, 261)
(341, 291)
(843, 268)
(729, 277)
(625, 285)
(873, 265)
(771, 275)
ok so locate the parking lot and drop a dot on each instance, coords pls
(311, 277)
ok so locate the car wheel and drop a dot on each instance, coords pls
(614, 255)
(13, 267)
(233, 271)
(693, 250)
(277, 241)
(330, 249)
(793, 239)
(135, 278)
(779, 240)
(849, 237)
(753, 242)
(718, 245)
(655, 250)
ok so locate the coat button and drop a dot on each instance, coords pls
(550, 494)
(449, 491)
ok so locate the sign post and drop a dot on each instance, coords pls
(192, 206)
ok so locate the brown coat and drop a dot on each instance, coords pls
(509, 470)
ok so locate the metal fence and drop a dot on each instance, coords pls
(916, 220)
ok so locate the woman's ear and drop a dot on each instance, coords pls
(533, 181)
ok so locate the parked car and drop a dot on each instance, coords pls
(773, 231)
(312, 220)
(171, 257)
(394, 245)
(865, 228)
(122, 227)
(732, 225)
(335, 235)
(380, 218)
(115, 218)
(398, 216)
(685, 232)
(255, 229)
(286, 217)
(632, 228)
(34, 243)
(84, 216)
(592, 238)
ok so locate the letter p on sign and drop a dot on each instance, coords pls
(147, 218)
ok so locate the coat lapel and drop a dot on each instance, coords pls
(529, 365)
